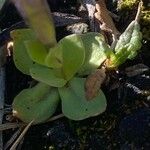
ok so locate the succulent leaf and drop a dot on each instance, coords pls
(47, 76)
(37, 103)
(20, 56)
(73, 53)
(75, 106)
(36, 51)
(54, 57)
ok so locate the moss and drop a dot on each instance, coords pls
(127, 4)
(145, 24)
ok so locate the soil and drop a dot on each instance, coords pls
(125, 125)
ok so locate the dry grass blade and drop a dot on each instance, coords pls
(55, 117)
(21, 136)
(12, 139)
(93, 83)
(8, 126)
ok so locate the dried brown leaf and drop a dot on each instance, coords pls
(93, 83)
(104, 18)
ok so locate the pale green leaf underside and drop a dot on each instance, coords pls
(74, 104)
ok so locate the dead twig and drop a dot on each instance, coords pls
(21, 136)
(55, 117)
(8, 126)
(26, 129)
(12, 139)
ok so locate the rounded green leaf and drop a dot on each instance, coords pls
(20, 55)
(78, 53)
(37, 103)
(36, 51)
(95, 52)
(73, 55)
(74, 104)
(68, 55)
(47, 76)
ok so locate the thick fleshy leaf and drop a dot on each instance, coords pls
(74, 104)
(54, 58)
(47, 76)
(68, 55)
(78, 53)
(95, 52)
(20, 55)
(73, 53)
(37, 51)
(37, 103)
